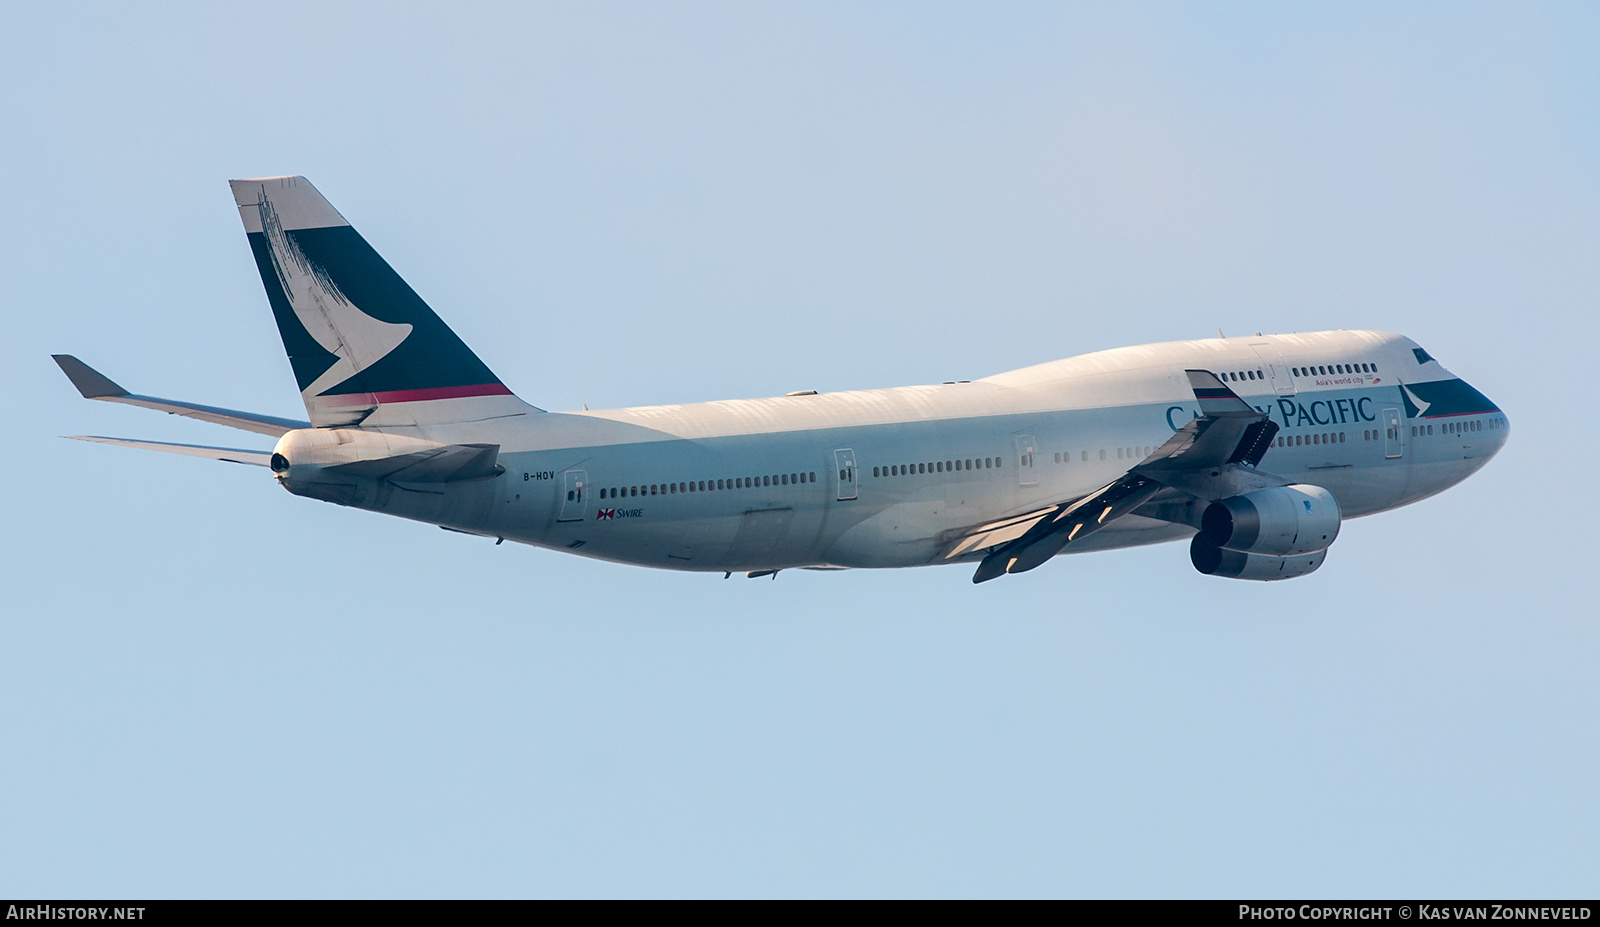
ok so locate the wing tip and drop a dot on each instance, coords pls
(91, 383)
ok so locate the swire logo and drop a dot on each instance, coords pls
(605, 514)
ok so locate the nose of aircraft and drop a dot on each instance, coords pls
(1496, 427)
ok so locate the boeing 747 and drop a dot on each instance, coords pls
(1255, 450)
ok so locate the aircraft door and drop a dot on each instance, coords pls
(1026, 449)
(1277, 371)
(1394, 439)
(577, 498)
(844, 460)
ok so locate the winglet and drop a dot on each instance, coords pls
(90, 382)
(1215, 397)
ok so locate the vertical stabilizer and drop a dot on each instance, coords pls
(364, 346)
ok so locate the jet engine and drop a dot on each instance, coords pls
(1215, 561)
(1285, 521)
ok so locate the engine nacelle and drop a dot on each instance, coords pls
(1215, 561)
(1285, 521)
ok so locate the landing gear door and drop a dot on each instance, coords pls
(844, 460)
(1277, 373)
(576, 500)
(1394, 439)
(1027, 448)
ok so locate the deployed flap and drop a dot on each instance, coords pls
(229, 454)
(95, 385)
(1050, 535)
(999, 532)
(448, 464)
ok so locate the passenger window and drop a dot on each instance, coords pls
(1102, 453)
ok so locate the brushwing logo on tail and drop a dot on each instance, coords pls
(358, 340)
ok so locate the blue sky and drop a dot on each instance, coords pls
(211, 688)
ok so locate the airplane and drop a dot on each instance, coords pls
(1253, 449)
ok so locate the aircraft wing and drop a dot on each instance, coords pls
(229, 454)
(1221, 447)
(95, 385)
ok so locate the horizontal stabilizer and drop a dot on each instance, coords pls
(229, 454)
(450, 464)
(95, 385)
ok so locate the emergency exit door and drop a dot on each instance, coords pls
(577, 498)
(844, 460)
(1394, 440)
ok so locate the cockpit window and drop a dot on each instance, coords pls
(1422, 356)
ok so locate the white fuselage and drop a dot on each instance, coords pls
(885, 478)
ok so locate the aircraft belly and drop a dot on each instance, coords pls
(904, 534)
